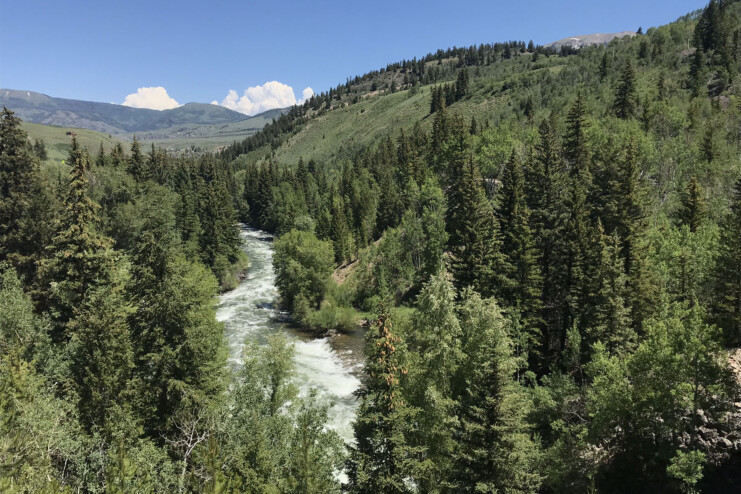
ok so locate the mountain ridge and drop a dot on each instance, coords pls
(109, 117)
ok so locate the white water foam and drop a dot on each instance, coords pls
(250, 311)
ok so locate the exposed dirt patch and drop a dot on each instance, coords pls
(340, 274)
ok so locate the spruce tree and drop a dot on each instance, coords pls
(693, 209)
(575, 148)
(339, 232)
(79, 258)
(475, 245)
(433, 387)
(524, 290)
(382, 460)
(546, 192)
(22, 214)
(575, 248)
(103, 361)
(496, 451)
(137, 165)
(604, 66)
(610, 321)
(118, 157)
(631, 226)
(728, 272)
(178, 344)
(626, 96)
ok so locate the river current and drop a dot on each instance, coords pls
(330, 365)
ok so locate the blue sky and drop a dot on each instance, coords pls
(200, 50)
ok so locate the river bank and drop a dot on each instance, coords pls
(330, 364)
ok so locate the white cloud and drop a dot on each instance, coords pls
(155, 98)
(308, 93)
(258, 99)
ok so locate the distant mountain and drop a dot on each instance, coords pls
(110, 118)
(589, 39)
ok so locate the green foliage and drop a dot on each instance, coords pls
(728, 303)
(303, 266)
(687, 469)
(24, 216)
(79, 258)
(383, 458)
(272, 439)
(496, 451)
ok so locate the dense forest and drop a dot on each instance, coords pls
(553, 286)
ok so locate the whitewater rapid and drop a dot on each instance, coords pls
(250, 311)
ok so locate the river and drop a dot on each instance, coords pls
(332, 365)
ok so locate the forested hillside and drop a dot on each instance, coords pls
(583, 205)
(547, 246)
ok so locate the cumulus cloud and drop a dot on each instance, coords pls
(154, 98)
(258, 99)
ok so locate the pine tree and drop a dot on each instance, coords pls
(382, 459)
(178, 344)
(79, 258)
(728, 272)
(137, 165)
(103, 360)
(610, 321)
(474, 232)
(604, 66)
(23, 217)
(432, 386)
(626, 96)
(546, 191)
(693, 210)
(524, 290)
(496, 452)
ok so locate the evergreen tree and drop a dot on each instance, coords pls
(461, 84)
(693, 210)
(137, 165)
(118, 157)
(339, 232)
(626, 97)
(382, 460)
(79, 258)
(697, 73)
(432, 388)
(546, 189)
(575, 249)
(474, 240)
(23, 218)
(524, 291)
(575, 148)
(100, 159)
(495, 452)
(727, 298)
(610, 323)
(178, 344)
(220, 239)
(103, 361)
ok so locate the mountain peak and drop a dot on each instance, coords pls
(589, 39)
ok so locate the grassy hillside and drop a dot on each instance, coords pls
(331, 136)
(58, 143)
(207, 137)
